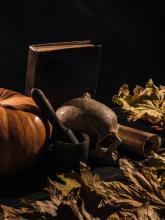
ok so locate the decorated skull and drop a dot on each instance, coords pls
(96, 119)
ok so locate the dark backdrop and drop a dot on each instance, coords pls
(131, 33)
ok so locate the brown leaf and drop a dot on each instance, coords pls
(87, 177)
(76, 204)
(143, 212)
(109, 173)
(139, 195)
(7, 212)
(146, 212)
(45, 207)
(122, 216)
(156, 161)
(145, 182)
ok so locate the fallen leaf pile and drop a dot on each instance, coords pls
(145, 103)
(132, 191)
(140, 194)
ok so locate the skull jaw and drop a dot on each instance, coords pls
(106, 149)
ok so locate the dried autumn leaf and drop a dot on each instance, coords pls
(143, 212)
(145, 182)
(157, 161)
(146, 212)
(45, 207)
(76, 204)
(145, 103)
(87, 176)
(122, 216)
(140, 194)
(71, 181)
(7, 212)
(143, 186)
(109, 173)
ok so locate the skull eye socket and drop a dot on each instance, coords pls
(109, 141)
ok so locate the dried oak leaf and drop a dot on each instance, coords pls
(145, 103)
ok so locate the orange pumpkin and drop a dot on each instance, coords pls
(23, 132)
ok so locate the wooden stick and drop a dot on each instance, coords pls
(49, 113)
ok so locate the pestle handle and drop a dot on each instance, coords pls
(48, 111)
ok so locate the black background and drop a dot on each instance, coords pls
(131, 33)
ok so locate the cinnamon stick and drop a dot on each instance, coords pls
(138, 141)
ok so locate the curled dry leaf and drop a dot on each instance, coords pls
(157, 161)
(146, 212)
(109, 173)
(139, 195)
(76, 204)
(146, 183)
(142, 186)
(71, 181)
(7, 212)
(145, 103)
(143, 212)
(45, 208)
